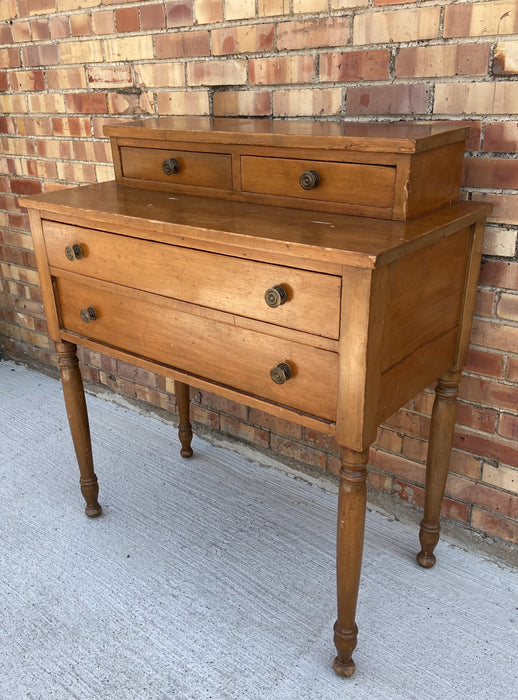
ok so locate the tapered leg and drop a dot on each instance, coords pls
(184, 424)
(78, 420)
(352, 501)
(437, 464)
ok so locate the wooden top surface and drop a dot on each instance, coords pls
(335, 238)
(373, 137)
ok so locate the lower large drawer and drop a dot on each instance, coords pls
(184, 337)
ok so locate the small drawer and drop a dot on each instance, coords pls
(310, 302)
(345, 183)
(176, 167)
(153, 327)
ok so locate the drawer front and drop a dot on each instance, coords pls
(152, 327)
(159, 165)
(216, 281)
(347, 183)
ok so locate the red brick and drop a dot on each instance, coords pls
(355, 65)
(89, 103)
(508, 307)
(397, 464)
(22, 31)
(498, 173)
(127, 19)
(414, 495)
(389, 439)
(25, 186)
(485, 303)
(298, 451)
(225, 72)
(442, 60)
(34, 126)
(498, 336)
(390, 27)
(71, 126)
(29, 8)
(481, 495)
(387, 99)
(178, 45)
(221, 404)
(4, 82)
(307, 102)
(244, 431)
(488, 393)
(504, 451)
(80, 24)
(119, 385)
(313, 33)
(201, 416)
(103, 22)
(415, 449)
(6, 34)
(244, 103)
(481, 18)
(512, 369)
(501, 137)
(465, 465)
(495, 525)
(506, 58)
(179, 14)
(152, 17)
(412, 423)
(28, 80)
(40, 55)
(284, 69)
(209, 11)
(375, 479)
(40, 29)
(274, 424)
(476, 417)
(10, 58)
(476, 98)
(497, 273)
(508, 426)
(109, 76)
(59, 26)
(242, 39)
(489, 364)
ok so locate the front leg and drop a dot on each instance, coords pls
(75, 403)
(438, 463)
(184, 424)
(352, 502)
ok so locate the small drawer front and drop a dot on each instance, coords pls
(152, 327)
(346, 183)
(243, 287)
(176, 167)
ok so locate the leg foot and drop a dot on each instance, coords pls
(437, 464)
(345, 642)
(184, 426)
(75, 403)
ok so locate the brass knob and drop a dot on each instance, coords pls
(74, 252)
(88, 314)
(276, 296)
(309, 180)
(171, 166)
(281, 373)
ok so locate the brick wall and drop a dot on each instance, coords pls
(69, 66)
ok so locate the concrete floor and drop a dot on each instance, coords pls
(214, 577)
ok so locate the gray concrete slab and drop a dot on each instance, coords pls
(214, 577)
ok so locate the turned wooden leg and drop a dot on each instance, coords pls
(437, 464)
(184, 424)
(352, 501)
(78, 420)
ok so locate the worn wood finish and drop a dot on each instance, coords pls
(372, 310)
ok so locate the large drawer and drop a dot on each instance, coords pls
(217, 281)
(346, 183)
(177, 167)
(213, 350)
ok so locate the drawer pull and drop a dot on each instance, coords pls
(276, 296)
(89, 314)
(171, 166)
(73, 252)
(309, 180)
(281, 373)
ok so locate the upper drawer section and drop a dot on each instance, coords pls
(177, 167)
(388, 171)
(350, 183)
(302, 300)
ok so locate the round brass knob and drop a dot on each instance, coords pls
(281, 373)
(276, 296)
(88, 314)
(309, 180)
(74, 252)
(171, 166)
